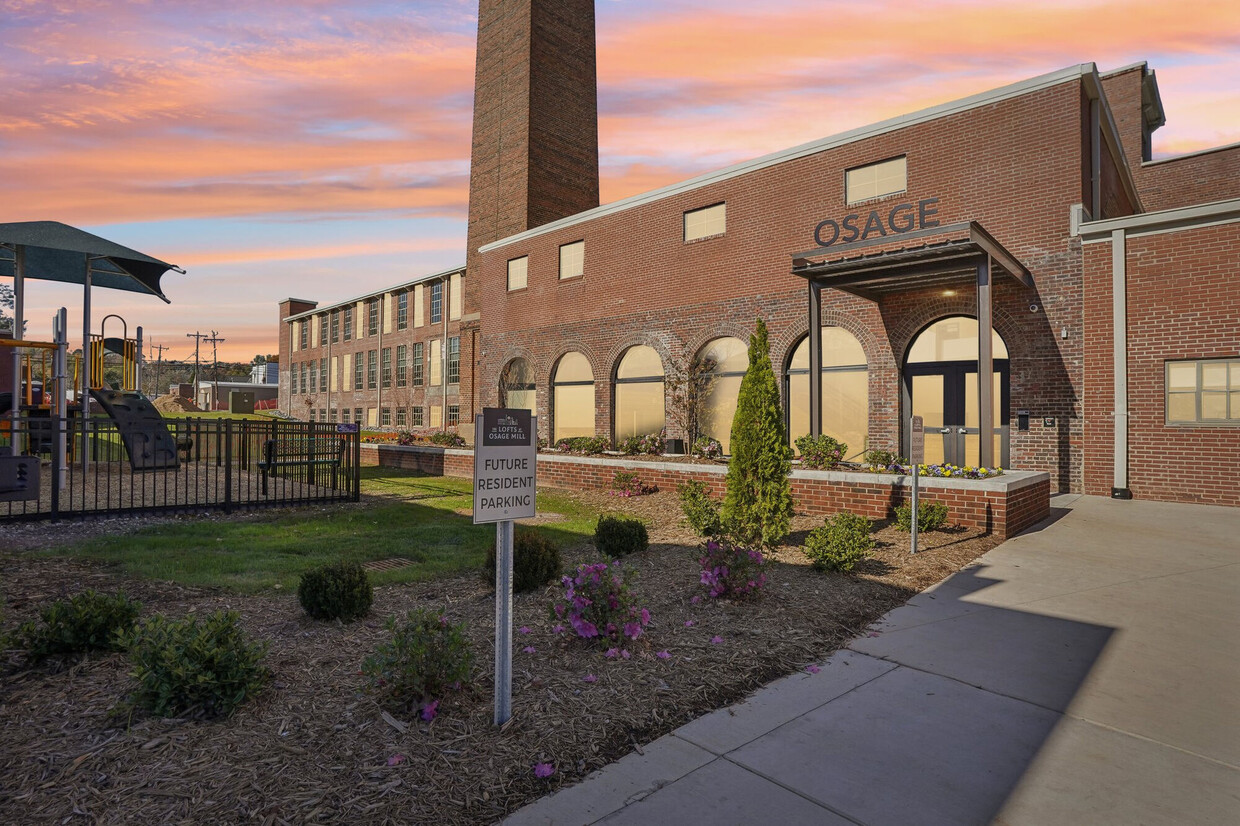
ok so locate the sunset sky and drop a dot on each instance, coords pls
(320, 148)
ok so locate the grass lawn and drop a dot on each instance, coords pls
(409, 517)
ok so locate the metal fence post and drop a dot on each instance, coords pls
(228, 476)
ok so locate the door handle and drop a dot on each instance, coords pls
(962, 430)
(946, 431)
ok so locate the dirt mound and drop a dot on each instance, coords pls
(175, 404)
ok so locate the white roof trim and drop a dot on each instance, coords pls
(987, 98)
(1165, 220)
(376, 293)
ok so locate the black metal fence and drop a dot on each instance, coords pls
(222, 464)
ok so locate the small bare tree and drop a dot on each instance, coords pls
(688, 395)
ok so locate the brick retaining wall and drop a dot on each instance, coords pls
(1005, 505)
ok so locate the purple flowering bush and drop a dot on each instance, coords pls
(651, 444)
(730, 569)
(626, 483)
(821, 452)
(599, 603)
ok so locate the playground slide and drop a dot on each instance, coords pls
(145, 435)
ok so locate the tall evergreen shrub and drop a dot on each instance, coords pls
(758, 503)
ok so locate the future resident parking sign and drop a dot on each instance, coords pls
(505, 457)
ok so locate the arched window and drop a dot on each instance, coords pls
(572, 398)
(845, 390)
(639, 393)
(723, 363)
(516, 386)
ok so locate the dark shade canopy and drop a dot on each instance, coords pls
(59, 252)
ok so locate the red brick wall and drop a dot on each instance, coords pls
(1003, 512)
(1017, 176)
(1182, 305)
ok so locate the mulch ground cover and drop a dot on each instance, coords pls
(316, 747)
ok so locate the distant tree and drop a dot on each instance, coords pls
(758, 504)
(7, 299)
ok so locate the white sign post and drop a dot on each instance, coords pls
(505, 462)
(917, 455)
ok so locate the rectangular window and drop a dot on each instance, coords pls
(436, 359)
(454, 298)
(305, 387)
(402, 365)
(358, 367)
(416, 416)
(292, 381)
(305, 332)
(372, 359)
(385, 367)
(385, 417)
(436, 302)
(335, 326)
(705, 222)
(454, 415)
(314, 376)
(357, 416)
(454, 360)
(347, 312)
(372, 317)
(572, 260)
(312, 415)
(416, 367)
(331, 415)
(436, 416)
(1203, 392)
(323, 329)
(401, 417)
(419, 305)
(518, 273)
(322, 375)
(402, 310)
(865, 183)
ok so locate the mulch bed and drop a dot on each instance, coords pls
(315, 747)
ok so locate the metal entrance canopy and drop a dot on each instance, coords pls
(960, 254)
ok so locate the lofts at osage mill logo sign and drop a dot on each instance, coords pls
(879, 223)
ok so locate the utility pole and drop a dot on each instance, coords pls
(159, 363)
(215, 368)
(197, 337)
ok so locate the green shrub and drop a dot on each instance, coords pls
(821, 452)
(618, 536)
(701, 511)
(626, 483)
(930, 516)
(841, 543)
(758, 503)
(883, 458)
(87, 621)
(425, 657)
(535, 561)
(584, 444)
(204, 666)
(447, 438)
(651, 444)
(337, 590)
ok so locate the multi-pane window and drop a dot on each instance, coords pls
(357, 416)
(416, 416)
(705, 222)
(416, 371)
(335, 326)
(372, 317)
(312, 415)
(358, 367)
(518, 273)
(305, 332)
(1203, 392)
(292, 381)
(385, 367)
(323, 329)
(875, 180)
(402, 417)
(402, 310)
(454, 415)
(305, 388)
(347, 312)
(402, 365)
(436, 302)
(322, 375)
(372, 359)
(385, 416)
(572, 259)
(454, 360)
(314, 376)
(331, 415)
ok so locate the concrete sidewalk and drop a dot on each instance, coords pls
(1086, 672)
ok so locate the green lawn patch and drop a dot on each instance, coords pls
(420, 518)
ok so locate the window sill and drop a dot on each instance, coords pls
(705, 238)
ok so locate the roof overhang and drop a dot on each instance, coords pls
(950, 256)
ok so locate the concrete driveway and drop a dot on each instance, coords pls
(1085, 672)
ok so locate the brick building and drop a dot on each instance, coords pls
(879, 258)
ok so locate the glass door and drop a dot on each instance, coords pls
(945, 394)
